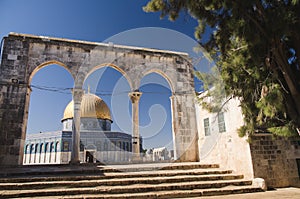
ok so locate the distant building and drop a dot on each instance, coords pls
(97, 142)
(160, 154)
(157, 154)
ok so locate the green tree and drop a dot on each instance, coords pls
(256, 46)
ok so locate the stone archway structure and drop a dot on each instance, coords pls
(23, 55)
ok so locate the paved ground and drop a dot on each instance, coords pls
(283, 193)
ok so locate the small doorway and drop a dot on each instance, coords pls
(90, 157)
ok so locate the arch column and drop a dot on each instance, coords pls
(77, 96)
(135, 98)
(184, 127)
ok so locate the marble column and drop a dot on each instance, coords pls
(77, 96)
(174, 125)
(135, 98)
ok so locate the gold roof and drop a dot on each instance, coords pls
(92, 106)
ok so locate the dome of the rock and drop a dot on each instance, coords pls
(92, 106)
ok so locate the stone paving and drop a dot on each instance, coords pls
(282, 193)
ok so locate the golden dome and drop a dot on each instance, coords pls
(92, 106)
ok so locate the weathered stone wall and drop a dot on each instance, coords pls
(274, 159)
(13, 96)
(224, 148)
(186, 139)
(23, 55)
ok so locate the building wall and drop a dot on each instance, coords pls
(36, 153)
(275, 159)
(88, 124)
(224, 148)
(104, 147)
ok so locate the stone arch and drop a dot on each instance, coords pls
(47, 63)
(113, 66)
(168, 90)
(24, 55)
(162, 74)
(31, 76)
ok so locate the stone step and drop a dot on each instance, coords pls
(165, 166)
(134, 188)
(97, 169)
(110, 175)
(164, 194)
(121, 181)
(117, 181)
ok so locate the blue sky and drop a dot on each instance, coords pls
(119, 21)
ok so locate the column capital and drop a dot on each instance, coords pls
(135, 96)
(172, 97)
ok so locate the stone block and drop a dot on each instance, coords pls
(260, 182)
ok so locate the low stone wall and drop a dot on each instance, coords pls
(275, 159)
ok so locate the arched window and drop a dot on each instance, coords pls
(36, 148)
(26, 149)
(51, 150)
(46, 150)
(81, 146)
(127, 146)
(124, 147)
(31, 149)
(46, 147)
(51, 147)
(66, 146)
(26, 152)
(57, 147)
(41, 147)
(41, 151)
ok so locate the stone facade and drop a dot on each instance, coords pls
(95, 146)
(276, 159)
(219, 142)
(23, 55)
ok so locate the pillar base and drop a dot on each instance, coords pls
(136, 158)
(74, 162)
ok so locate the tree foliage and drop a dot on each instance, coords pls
(256, 47)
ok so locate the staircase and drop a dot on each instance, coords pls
(177, 180)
